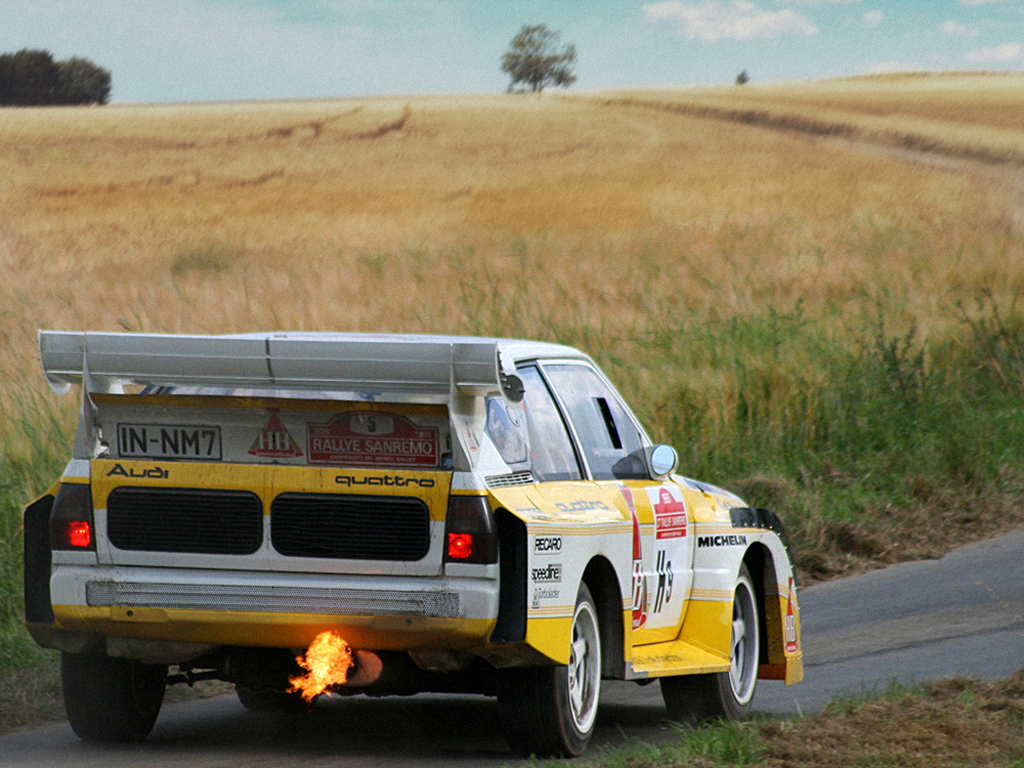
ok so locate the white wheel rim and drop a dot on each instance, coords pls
(584, 668)
(743, 671)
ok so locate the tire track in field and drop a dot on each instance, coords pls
(783, 121)
(1001, 168)
(307, 131)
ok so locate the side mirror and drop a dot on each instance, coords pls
(662, 460)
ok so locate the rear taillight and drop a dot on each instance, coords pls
(71, 525)
(470, 535)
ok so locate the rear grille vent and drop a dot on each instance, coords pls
(193, 520)
(351, 527)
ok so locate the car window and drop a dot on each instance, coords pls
(607, 435)
(551, 451)
(506, 428)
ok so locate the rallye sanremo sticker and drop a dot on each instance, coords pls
(372, 439)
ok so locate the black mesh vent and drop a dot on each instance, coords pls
(350, 527)
(185, 520)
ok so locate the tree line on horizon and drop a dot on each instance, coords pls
(32, 78)
(534, 61)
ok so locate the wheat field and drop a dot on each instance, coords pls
(792, 283)
(401, 214)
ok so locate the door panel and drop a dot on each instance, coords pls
(662, 573)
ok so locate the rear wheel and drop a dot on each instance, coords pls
(726, 695)
(110, 699)
(551, 711)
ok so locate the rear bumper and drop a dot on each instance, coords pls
(269, 609)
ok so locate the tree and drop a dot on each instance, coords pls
(79, 81)
(534, 62)
(742, 78)
(31, 78)
(27, 78)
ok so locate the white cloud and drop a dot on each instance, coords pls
(874, 18)
(998, 54)
(712, 21)
(816, 2)
(956, 29)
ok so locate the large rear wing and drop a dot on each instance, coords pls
(338, 362)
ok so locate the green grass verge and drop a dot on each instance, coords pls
(948, 723)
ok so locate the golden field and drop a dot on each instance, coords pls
(496, 214)
(589, 218)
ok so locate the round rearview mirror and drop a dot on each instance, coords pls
(664, 460)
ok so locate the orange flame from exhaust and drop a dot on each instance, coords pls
(327, 662)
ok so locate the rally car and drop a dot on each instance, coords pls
(461, 514)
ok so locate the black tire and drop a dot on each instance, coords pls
(551, 711)
(271, 700)
(723, 695)
(110, 699)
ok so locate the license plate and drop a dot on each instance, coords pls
(166, 441)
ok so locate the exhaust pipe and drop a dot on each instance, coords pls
(365, 670)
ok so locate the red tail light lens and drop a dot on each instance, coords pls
(460, 546)
(471, 536)
(71, 520)
(79, 534)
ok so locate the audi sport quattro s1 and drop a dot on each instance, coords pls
(461, 514)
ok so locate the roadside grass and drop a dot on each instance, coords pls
(948, 723)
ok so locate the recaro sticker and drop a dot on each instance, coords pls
(547, 545)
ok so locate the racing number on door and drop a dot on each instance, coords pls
(671, 555)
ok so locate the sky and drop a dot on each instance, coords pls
(217, 50)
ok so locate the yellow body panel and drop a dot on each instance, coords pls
(675, 658)
(268, 481)
(551, 636)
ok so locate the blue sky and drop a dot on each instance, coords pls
(201, 50)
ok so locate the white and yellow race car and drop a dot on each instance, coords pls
(457, 514)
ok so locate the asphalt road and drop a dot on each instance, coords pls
(961, 615)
